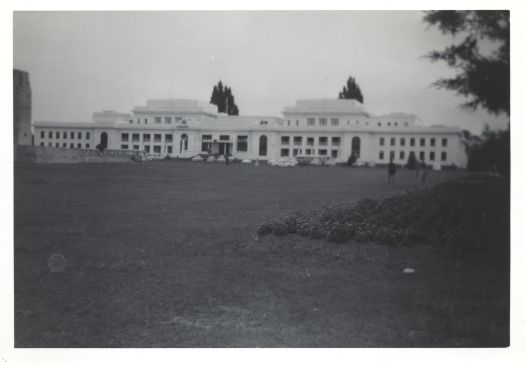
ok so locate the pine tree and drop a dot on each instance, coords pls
(351, 90)
(223, 98)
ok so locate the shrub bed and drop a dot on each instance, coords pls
(468, 212)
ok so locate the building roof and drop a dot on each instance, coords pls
(181, 106)
(326, 106)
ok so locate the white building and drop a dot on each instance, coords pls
(334, 128)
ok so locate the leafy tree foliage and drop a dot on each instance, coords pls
(481, 58)
(412, 161)
(351, 90)
(223, 98)
(490, 151)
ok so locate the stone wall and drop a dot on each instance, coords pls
(53, 155)
(21, 108)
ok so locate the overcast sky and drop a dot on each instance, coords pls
(82, 62)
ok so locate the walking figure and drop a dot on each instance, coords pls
(391, 172)
(423, 172)
(227, 160)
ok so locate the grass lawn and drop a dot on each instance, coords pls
(163, 255)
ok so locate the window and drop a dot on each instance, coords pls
(135, 137)
(421, 155)
(392, 141)
(297, 140)
(183, 145)
(167, 120)
(295, 152)
(444, 142)
(130, 121)
(412, 141)
(297, 122)
(422, 141)
(64, 135)
(79, 135)
(145, 121)
(242, 143)
(308, 152)
(288, 122)
(49, 134)
(168, 138)
(147, 148)
(124, 137)
(178, 119)
(79, 146)
(57, 135)
(431, 156)
(310, 121)
(146, 137)
(334, 153)
(310, 141)
(170, 149)
(406, 123)
(381, 155)
(156, 149)
(285, 152)
(443, 156)
(138, 121)
(285, 140)
(379, 124)
(336, 141)
(87, 146)
(388, 124)
(42, 144)
(136, 147)
(402, 141)
(42, 134)
(392, 155)
(87, 135)
(395, 123)
(262, 145)
(401, 155)
(123, 147)
(57, 144)
(334, 121)
(72, 145)
(432, 142)
(157, 137)
(224, 137)
(323, 121)
(323, 152)
(206, 143)
(381, 141)
(323, 141)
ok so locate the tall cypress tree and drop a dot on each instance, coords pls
(351, 90)
(223, 98)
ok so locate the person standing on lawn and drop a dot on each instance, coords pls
(391, 172)
(423, 172)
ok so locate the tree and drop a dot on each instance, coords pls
(481, 58)
(490, 150)
(223, 98)
(412, 161)
(351, 90)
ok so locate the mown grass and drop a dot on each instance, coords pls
(163, 255)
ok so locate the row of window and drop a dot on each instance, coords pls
(334, 153)
(242, 142)
(412, 141)
(168, 120)
(402, 156)
(65, 135)
(64, 144)
(146, 137)
(147, 148)
(310, 141)
(395, 124)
